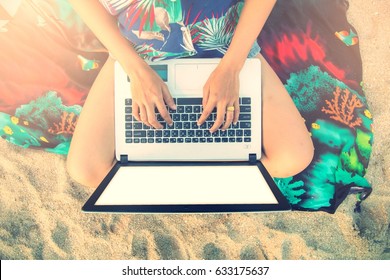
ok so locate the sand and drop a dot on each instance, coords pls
(40, 216)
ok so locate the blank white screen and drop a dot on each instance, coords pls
(163, 185)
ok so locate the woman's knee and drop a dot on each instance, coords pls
(87, 171)
(79, 172)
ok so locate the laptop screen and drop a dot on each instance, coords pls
(178, 185)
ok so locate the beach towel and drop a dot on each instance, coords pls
(49, 60)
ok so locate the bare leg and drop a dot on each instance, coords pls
(288, 148)
(92, 150)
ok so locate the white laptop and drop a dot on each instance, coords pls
(185, 168)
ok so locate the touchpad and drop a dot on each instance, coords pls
(192, 76)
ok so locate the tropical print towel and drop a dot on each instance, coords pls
(44, 78)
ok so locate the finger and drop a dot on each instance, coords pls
(207, 110)
(206, 92)
(164, 112)
(221, 111)
(144, 115)
(236, 111)
(229, 117)
(152, 120)
(136, 112)
(168, 97)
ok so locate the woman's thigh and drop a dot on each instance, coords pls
(287, 145)
(92, 150)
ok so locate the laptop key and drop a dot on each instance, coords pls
(174, 133)
(193, 117)
(246, 100)
(194, 125)
(245, 125)
(176, 117)
(178, 125)
(244, 117)
(245, 109)
(139, 133)
(247, 132)
(184, 117)
(189, 101)
(137, 125)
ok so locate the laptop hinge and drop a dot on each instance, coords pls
(252, 159)
(124, 159)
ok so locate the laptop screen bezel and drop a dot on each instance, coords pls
(282, 205)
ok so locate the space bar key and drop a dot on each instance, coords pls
(189, 101)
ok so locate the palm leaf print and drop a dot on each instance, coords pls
(213, 34)
(143, 9)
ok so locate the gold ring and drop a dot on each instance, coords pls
(230, 109)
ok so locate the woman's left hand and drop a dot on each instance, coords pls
(221, 92)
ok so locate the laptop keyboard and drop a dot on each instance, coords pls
(185, 128)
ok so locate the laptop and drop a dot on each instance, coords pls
(184, 168)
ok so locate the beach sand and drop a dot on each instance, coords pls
(41, 218)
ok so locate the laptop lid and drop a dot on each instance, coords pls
(184, 187)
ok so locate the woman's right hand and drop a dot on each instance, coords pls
(148, 93)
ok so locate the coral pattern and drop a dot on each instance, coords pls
(66, 125)
(342, 108)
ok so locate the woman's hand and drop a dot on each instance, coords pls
(221, 92)
(148, 93)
